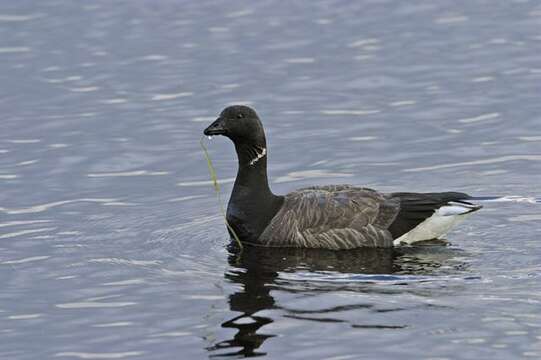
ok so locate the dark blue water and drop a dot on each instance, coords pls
(111, 240)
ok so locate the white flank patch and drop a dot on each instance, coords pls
(438, 225)
(454, 208)
(259, 156)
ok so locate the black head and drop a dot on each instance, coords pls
(239, 123)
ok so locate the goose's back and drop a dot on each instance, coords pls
(332, 217)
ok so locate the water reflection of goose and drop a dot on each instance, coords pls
(259, 271)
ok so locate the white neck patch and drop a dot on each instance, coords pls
(259, 156)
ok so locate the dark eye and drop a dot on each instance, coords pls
(240, 115)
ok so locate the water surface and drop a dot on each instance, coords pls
(111, 241)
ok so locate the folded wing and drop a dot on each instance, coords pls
(333, 217)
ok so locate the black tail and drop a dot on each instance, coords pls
(417, 207)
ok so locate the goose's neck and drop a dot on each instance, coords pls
(252, 204)
(252, 173)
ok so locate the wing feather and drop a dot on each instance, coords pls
(332, 217)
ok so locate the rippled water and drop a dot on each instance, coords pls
(111, 242)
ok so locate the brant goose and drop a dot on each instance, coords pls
(330, 217)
